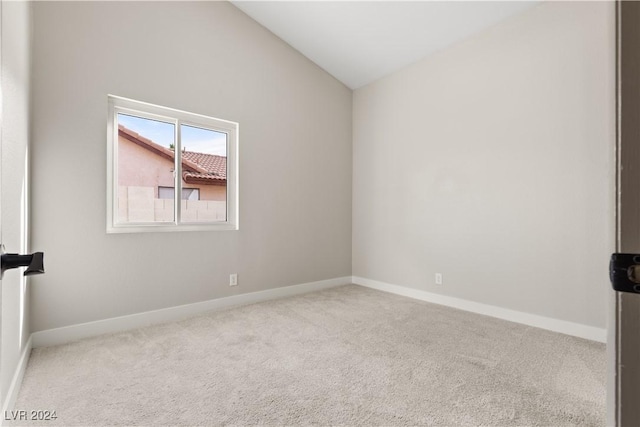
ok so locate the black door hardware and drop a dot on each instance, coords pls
(33, 262)
(624, 272)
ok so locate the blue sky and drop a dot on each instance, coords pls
(193, 139)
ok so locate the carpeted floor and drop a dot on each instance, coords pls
(344, 356)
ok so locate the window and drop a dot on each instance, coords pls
(170, 170)
(187, 193)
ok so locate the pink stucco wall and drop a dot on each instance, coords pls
(139, 167)
(141, 172)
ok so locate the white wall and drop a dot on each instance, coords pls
(491, 162)
(208, 58)
(15, 37)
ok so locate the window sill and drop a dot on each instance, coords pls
(169, 228)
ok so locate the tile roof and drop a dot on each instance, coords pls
(201, 168)
(216, 166)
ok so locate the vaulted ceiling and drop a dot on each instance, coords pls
(359, 42)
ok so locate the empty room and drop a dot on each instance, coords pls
(320, 213)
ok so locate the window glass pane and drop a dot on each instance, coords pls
(146, 163)
(187, 193)
(166, 193)
(204, 175)
(190, 194)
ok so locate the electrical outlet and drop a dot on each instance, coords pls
(438, 278)
(233, 279)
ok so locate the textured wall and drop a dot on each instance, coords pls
(208, 58)
(492, 162)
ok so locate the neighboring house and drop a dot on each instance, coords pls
(146, 182)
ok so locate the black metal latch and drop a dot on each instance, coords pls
(34, 262)
(624, 271)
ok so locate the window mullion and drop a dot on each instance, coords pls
(178, 178)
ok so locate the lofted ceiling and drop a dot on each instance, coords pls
(359, 42)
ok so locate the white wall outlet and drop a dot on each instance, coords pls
(438, 278)
(233, 279)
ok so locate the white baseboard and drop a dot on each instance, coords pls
(16, 382)
(117, 324)
(71, 333)
(555, 325)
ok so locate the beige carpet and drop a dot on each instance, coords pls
(344, 356)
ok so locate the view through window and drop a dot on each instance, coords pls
(162, 161)
(147, 172)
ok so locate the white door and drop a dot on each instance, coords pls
(1, 127)
(15, 30)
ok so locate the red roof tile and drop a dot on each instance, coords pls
(207, 169)
(215, 165)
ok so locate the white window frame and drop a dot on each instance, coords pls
(177, 117)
